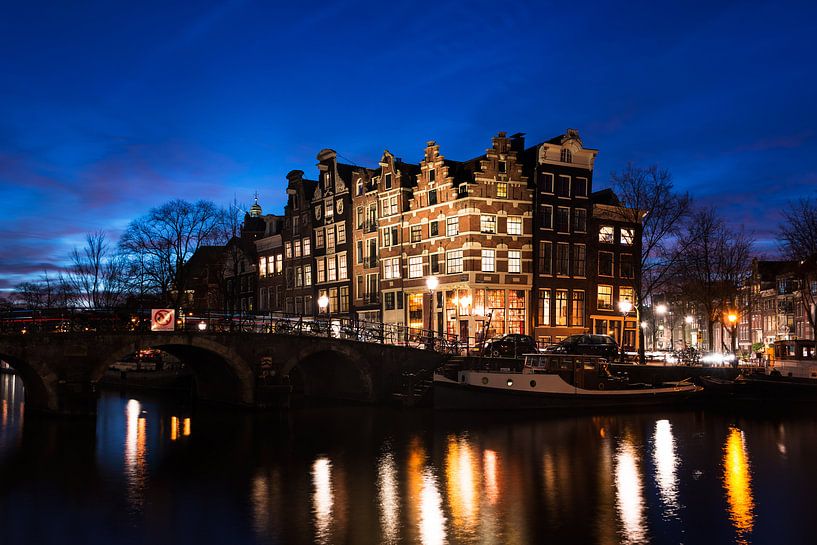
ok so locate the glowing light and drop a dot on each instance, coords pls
(625, 306)
(688, 319)
(629, 494)
(186, 427)
(490, 474)
(135, 454)
(322, 498)
(666, 465)
(737, 482)
(174, 428)
(432, 519)
(661, 309)
(432, 282)
(202, 326)
(388, 498)
(461, 479)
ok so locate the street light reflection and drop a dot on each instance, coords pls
(737, 482)
(629, 494)
(665, 460)
(388, 497)
(460, 473)
(322, 498)
(135, 454)
(432, 519)
(490, 474)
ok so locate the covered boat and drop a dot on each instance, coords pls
(548, 381)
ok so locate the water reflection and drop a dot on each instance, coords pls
(322, 499)
(665, 459)
(179, 427)
(266, 499)
(11, 409)
(135, 454)
(491, 476)
(737, 482)
(461, 478)
(388, 497)
(629, 493)
(432, 519)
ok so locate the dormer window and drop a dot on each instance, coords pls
(360, 186)
(567, 157)
(388, 181)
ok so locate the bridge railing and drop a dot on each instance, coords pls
(57, 321)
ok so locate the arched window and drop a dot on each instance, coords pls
(567, 157)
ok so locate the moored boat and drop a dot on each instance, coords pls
(550, 381)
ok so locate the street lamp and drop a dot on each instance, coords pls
(688, 321)
(733, 318)
(431, 283)
(323, 305)
(624, 306)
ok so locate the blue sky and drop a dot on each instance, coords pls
(109, 108)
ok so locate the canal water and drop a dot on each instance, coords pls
(152, 470)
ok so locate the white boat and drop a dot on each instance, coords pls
(549, 381)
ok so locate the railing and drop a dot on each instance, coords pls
(59, 321)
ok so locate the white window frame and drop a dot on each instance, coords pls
(514, 226)
(488, 260)
(415, 266)
(514, 261)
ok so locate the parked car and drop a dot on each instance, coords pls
(594, 345)
(512, 345)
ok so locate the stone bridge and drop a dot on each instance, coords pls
(60, 371)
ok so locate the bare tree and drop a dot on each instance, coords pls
(159, 243)
(648, 197)
(714, 267)
(798, 238)
(96, 274)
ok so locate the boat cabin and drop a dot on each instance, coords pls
(794, 358)
(589, 372)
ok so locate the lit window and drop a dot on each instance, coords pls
(342, 269)
(625, 294)
(605, 298)
(307, 275)
(331, 269)
(341, 227)
(514, 261)
(288, 250)
(391, 268)
(453, 261)
(627, 236)
(307, 248)
(488, 261)
(262, 267)
(415, 266)
(487, 224)
(321, 271)
(416, 233)
(607, 234)
(319, 238)
(501, 190)
(452, 226)
(514, 226)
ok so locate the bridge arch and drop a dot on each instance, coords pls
(336, 371)
(220, 373)
(39, 383)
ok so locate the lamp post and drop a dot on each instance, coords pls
(733, 318)
(624, 306)
(688, 321)
(660, 310)
(323, 305)
(431, 284)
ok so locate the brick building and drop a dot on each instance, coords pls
(297, 239)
